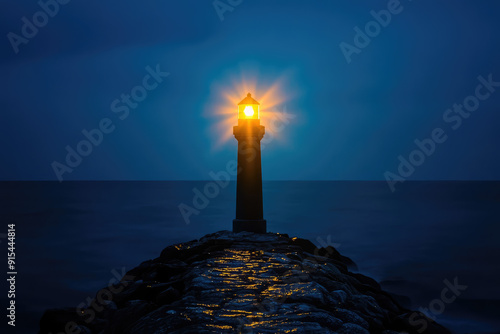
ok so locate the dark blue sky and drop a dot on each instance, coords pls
(350, 120)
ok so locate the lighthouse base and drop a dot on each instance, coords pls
(255, 226)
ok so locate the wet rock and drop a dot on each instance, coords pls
(305, 244)
(350, 317)
(69, 320)
(127, 316)
(167, 296)
(339, 297)
(245, 283)
(352, 329)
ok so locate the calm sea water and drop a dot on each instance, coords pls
(72, 235)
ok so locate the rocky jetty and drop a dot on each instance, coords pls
(242, 283)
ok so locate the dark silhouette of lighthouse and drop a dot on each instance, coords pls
(249, 133)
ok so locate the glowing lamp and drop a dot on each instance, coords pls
(248, 108)
(249, 133)
(249, 112)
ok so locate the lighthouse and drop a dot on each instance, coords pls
(249, 133)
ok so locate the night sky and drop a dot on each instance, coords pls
(350, 114)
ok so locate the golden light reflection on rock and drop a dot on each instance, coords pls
(253, 283)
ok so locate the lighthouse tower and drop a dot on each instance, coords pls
(249, 133)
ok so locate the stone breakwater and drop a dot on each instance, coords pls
(242, 283)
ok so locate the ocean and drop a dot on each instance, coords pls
(72, 238)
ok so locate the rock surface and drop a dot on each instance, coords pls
(242, 283)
